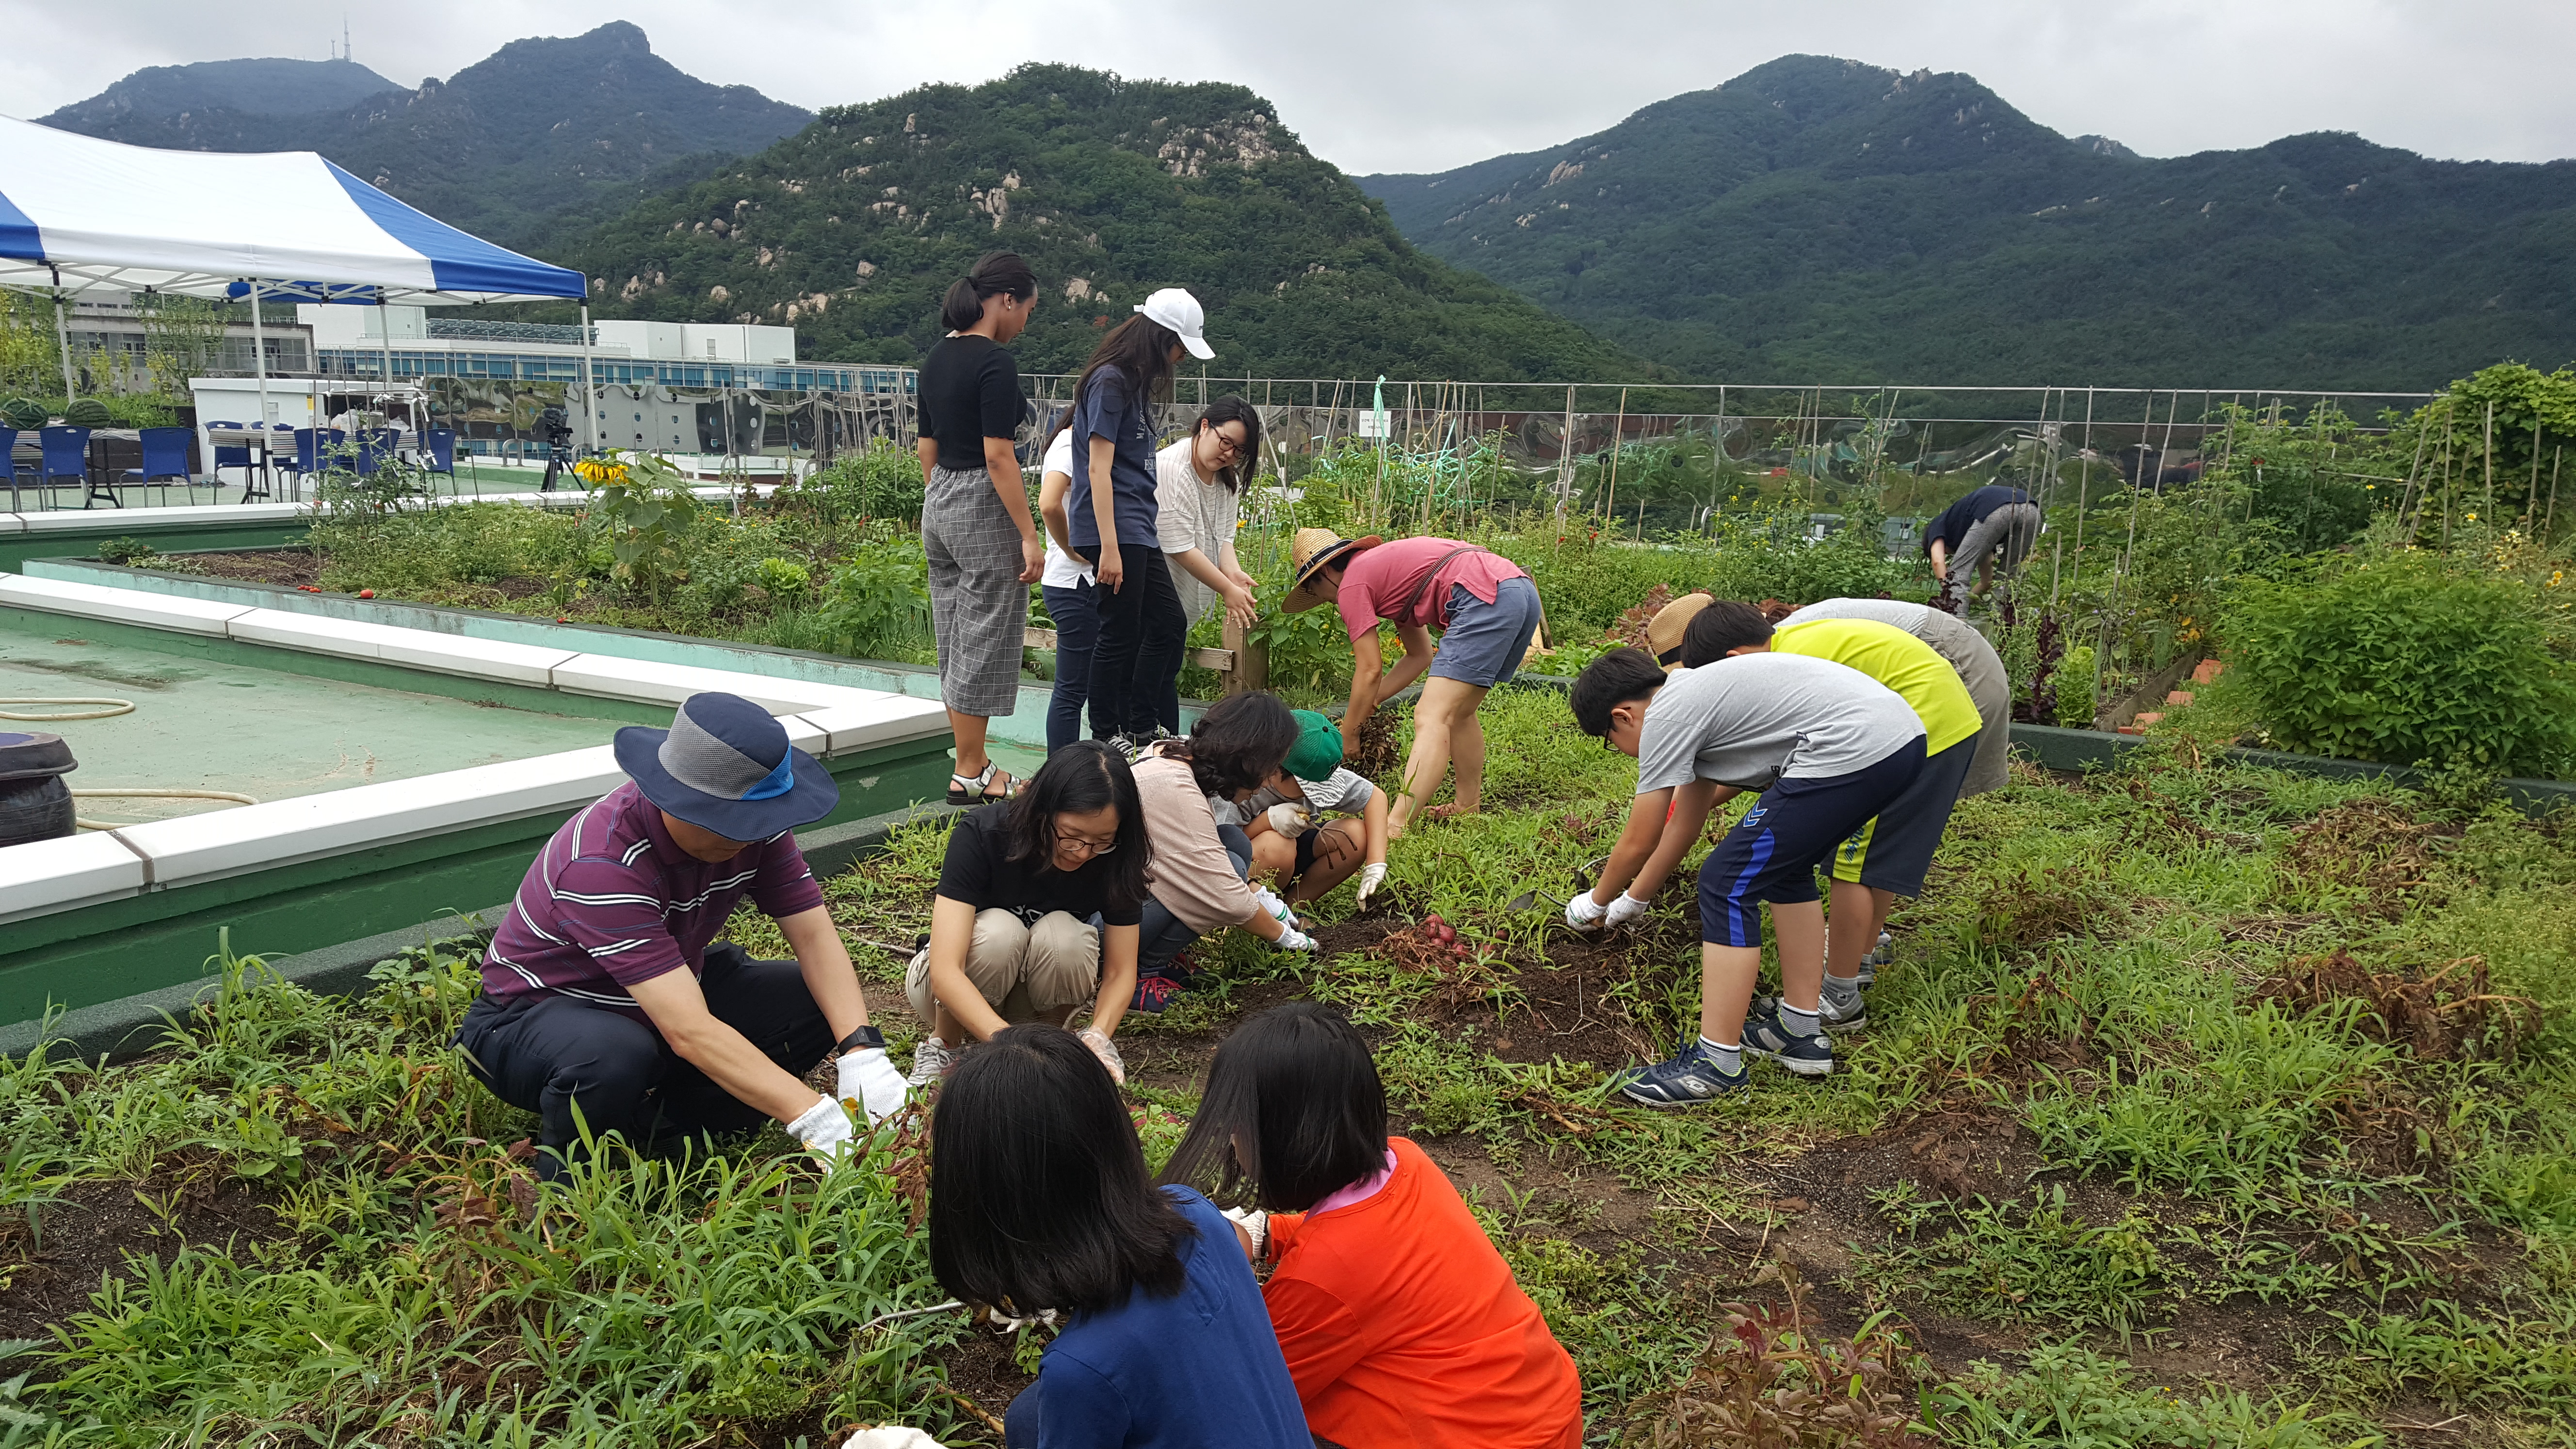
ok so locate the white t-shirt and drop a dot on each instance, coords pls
(1063, 570)
(1191, 513)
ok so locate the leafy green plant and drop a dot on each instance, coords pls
(2029, 1263)
(783, 579)
(878, 605)
(648, 512)
(2069, 1397)
(882, 480)
(2408, 660)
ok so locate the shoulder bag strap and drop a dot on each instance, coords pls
(1422, 585)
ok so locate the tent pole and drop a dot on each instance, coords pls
(589, 378)
(63, 340)
(385, 335)
(259, 367)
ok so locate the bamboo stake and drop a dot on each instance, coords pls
(2556, 457)
(1618, 431)
(2488, 448)
(2531, 495)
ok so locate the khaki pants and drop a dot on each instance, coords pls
(1024, 972)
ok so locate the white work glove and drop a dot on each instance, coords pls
(1289, 818)
(1623, 909)
(825, 1129)
(1372, 875)
(1292, 939)
(870, 1083)
(889, 1436)
(1255, 1224)
(1107, 1050)
(1279, 910)
(1583, 913)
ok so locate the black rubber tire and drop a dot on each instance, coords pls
(39, 809)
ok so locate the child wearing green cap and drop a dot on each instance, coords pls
(1289, 847)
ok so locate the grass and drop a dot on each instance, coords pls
(2096, 1176)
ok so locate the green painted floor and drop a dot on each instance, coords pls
(271, 734)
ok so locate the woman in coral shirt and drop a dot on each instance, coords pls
(1400, 1323)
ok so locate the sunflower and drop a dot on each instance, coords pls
(597, 470)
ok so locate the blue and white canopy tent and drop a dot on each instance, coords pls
(80, 215)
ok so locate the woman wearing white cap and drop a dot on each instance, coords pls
(1111, 509)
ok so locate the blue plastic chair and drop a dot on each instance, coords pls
(236, 456)
(165, 456)
(9, 456)
(440, 444)
(375, 448)
(66, 456)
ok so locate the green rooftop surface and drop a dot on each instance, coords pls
(228, 724)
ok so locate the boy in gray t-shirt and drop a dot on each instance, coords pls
(1828, 747)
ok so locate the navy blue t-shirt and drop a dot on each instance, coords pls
(1951, 528)
(1109, 408)
(1198, 1368)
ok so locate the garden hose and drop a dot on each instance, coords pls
(119, 706)
(115, 707)
(156, 794)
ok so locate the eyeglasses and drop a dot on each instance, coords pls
(1225, 442)
(1087, 845)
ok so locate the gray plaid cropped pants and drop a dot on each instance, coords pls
(979, 609)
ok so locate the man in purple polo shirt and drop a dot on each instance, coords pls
(600, 990)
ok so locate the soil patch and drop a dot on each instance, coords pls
(93, 1229)
(293, 567)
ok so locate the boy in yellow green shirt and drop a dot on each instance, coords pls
(1888, 856)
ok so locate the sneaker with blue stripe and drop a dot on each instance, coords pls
(1686, 1081)
(1764, 1036)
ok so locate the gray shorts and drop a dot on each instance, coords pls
(1484, 643)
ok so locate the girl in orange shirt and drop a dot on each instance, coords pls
(1400, 1323)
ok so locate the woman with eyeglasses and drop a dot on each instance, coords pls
(1197, 483)
(1034, 897)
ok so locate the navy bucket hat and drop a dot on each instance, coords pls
(724, 765)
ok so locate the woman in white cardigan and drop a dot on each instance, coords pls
(1198, 483)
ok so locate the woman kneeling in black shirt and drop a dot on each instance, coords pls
(1033, 895)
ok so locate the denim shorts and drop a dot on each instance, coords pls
(1484, 643)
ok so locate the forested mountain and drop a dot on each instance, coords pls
(542, 131)
(267, 87)
(852, 230)
(1819, 219)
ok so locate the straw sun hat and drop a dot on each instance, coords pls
(1313, 548)
(1664, 631)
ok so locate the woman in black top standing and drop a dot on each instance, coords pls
(983, 548)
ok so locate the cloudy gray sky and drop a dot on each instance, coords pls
(1398, 85)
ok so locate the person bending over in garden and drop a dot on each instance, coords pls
(1197, 480)
(1487, 610)
(982, 548)
(601, 992)
(1071, 591)
(1987, 533)
(1111, 511)
(1975, 661)
(1827, 746)
(1889, 854)
(1041, 1209)
(1305, 859)
(1200, 881)
(1400, 1322)
(1034, 897)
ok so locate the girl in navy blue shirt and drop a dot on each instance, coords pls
(1039, 1201)
(1114, 527)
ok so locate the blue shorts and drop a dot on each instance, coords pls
(1772, 853)
(1484, 643)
